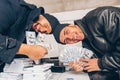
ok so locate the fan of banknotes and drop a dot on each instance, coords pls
(74, 53)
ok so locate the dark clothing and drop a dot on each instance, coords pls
(102, 30)
(16, 17)
(103, 75)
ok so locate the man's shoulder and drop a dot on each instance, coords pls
(23, 3)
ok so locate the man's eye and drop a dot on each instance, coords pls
(64, 33)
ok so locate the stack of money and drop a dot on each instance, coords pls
(74, 53)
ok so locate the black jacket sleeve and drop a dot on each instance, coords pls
(10, 10)
(110, 19)
(102, 28)
(8, 48)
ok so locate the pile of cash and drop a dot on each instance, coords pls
(74, 53)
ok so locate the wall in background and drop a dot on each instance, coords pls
(53, 6)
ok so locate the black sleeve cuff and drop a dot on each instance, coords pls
(100, 64)
(9, 54)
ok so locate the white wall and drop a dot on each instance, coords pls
(69, 5)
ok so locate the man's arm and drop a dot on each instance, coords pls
(34, 52)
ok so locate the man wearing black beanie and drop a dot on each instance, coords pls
(44, 23)
(57, 31)
(52, 20)
(16, 18)
(99, 31)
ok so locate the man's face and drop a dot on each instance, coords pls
(42, 25)
(71, 34)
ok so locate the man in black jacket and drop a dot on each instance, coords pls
(99, 31)
(17, 17)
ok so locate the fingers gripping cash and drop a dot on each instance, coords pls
(73, 56)
(31, 49)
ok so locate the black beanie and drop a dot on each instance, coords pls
(52, 20)
(57, 31)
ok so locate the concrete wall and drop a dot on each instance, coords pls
(52, 6)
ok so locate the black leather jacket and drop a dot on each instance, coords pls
(102, 30)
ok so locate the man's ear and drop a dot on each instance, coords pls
(41, 16)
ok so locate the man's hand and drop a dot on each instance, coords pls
(77, 66)
(34, 52)
(90, 64)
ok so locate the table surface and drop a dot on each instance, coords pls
(70, 75)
